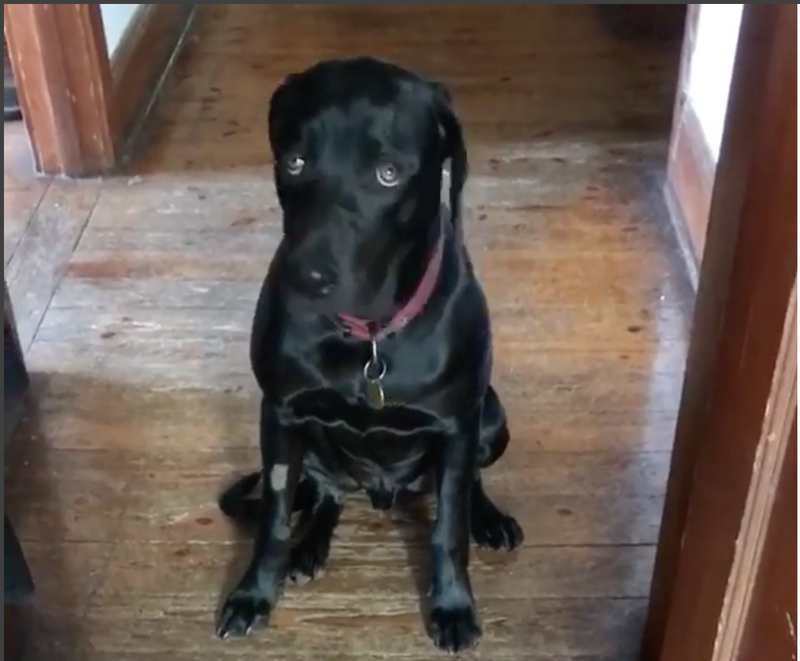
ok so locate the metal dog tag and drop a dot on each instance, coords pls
(374, 371)
(375, 396)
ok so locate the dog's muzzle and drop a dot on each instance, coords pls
(315, 282)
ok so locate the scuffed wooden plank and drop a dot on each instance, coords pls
(357, 627)
(198, 572)
(44, 249)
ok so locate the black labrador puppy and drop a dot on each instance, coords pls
(371, 339)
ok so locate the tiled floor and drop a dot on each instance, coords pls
(135, 294)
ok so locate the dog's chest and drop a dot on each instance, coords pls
(332, 382)
(357, 446)
(404, 372)
(356, 417)
(328, 402)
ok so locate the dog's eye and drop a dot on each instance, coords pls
(388, 175)
(294, 165)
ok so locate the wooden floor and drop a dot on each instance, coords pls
(135, 294)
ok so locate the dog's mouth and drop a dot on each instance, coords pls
(381, 314)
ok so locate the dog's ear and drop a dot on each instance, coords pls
(280, 110)
(454, 148)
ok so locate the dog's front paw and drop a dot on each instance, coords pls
(495, 530)
(307, 561)
(243, 609)
(455, 628)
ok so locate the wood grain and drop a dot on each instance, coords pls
(772, 616)
(44, 249)
(349, 629)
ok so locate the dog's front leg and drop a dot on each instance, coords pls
(259, 588)
(454, 620)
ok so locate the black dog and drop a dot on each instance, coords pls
(371, 339)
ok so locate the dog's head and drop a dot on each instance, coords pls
(359, 146)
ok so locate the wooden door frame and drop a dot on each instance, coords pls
(63, 78)
(83, 109)
(735, 431)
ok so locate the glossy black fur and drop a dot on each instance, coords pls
(367, 246)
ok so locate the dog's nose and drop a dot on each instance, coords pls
(317, 282)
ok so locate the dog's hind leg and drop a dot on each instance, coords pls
(490, 527)
(309, 555)
(240, 500)
(494, 436)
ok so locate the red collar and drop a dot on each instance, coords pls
(360, 328)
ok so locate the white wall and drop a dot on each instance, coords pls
(711, 67)
(116, 19)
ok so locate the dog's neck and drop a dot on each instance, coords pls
(366, 329)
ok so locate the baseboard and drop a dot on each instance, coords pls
(680, 226)
(690, 182)
(139, 65)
